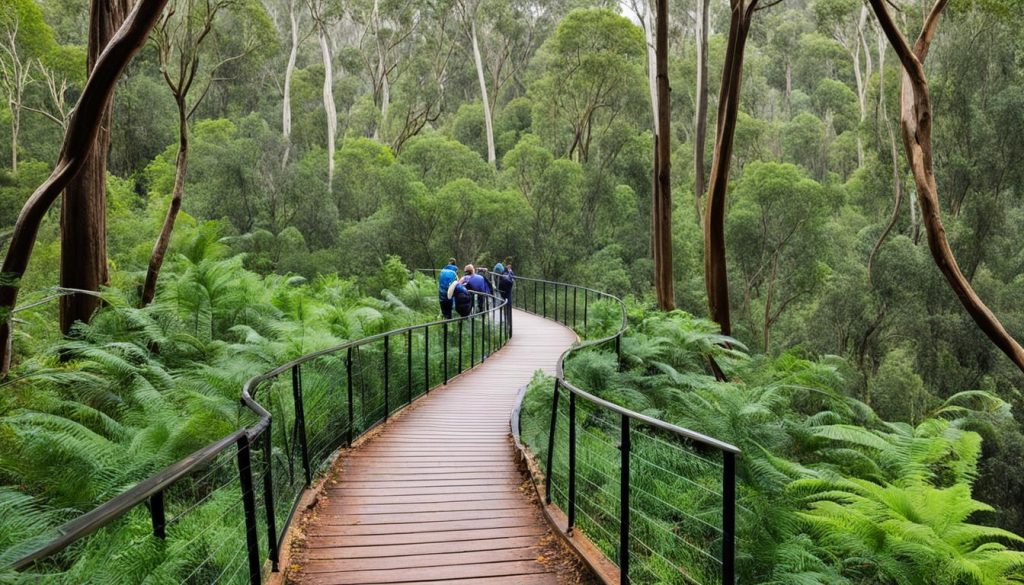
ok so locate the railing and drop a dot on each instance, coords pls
(182, 524)
(648, 484)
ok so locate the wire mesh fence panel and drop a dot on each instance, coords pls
(676, 508)
(325, 402)
(368, 373)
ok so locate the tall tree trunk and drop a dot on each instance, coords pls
(652, 62)
(156, 260)
(916, 123)
(289, 71)
(332, 110)
(83, 213)
(715, 277)
(646, 15)
(79, 140)
(663, 267)
(15, 131)
(488, 124)
(701, 116)
(382, 73)
(897, 182)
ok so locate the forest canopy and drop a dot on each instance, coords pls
(270, 165)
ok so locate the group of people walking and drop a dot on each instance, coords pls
(457, 293)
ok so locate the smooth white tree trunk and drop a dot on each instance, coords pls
(331, 109)
(488, 124)
(652, 70)
(286, 110)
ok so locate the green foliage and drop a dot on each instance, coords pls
(828, 492)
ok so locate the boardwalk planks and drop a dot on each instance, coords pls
(436, 497)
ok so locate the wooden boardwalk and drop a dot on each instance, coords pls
(437, 497)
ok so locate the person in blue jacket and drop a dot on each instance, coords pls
(477, 283)
(449, 274)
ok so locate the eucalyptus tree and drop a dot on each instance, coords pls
(83, 213)
(777, 233)
(591, 70)
(469, 13)
(916, 119)
(24, 38)
(191, 57)
(715, 277)
(295, 36)
(79, 140)
(62, 71)
(388, 31)
(324, 15)
(847, 22)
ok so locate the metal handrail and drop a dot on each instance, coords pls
(729, 451)
(151, 490)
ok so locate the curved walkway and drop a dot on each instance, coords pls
(436, 497)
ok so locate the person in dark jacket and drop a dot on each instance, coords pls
(461, 298)
(477, 283)
(506, 280)
(448, 275)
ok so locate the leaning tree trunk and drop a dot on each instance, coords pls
(663, 284)
(715, 277)
(156, 259)
(701, 116)
(488, 123)
(83, 213)
(916, 124)
(79, 140)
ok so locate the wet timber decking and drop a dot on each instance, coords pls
(436, 497)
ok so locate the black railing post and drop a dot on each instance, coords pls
(618, 350)
(624, 447)
(572, 462)
(387, 375)
(586, 299)
(728, 518)
(408, 362)
(460, 346)
(574, 320)
(472, 340)
(252, 542)
(544, 286)
(268, 496)
(426, 360)
(351, 406)
(551, 445)
(555, 312)
(445, 330)
(565, 305)
(158, 515)
(300, 421)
